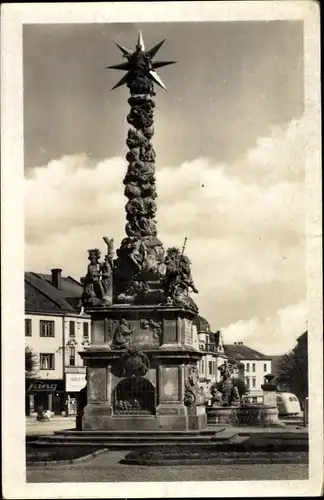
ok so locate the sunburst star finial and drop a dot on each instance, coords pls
(141, 60)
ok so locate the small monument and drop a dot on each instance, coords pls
(226, 405)
(225, 399)
(141, 364)
(229, 392)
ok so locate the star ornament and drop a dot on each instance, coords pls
(140, 60)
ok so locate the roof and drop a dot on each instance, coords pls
(201, 324)
(69, 287)
(42, 296)
(243, 352)
(38, 301)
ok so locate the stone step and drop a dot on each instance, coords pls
(136, 439)
(204, 432)
(287, 436)
(129, 445)
(127, 439)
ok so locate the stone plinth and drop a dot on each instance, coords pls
(150, 397)
(271, 416)
(271, 412)
(269, 394)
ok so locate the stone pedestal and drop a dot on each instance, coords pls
(270, 408)
(151, 398)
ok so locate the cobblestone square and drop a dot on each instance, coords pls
(105, 468)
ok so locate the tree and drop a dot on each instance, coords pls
(292, 370)
(238, 382)
(31, 363)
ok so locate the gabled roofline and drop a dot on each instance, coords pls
(45, 294)
(61, 313)
(260, 357)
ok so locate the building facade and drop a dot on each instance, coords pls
(256, 366)
(56, 333)
(211, 344)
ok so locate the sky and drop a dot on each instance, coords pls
(229, 138)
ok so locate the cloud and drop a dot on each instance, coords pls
(270, 335)
(244, 223)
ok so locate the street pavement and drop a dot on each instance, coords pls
(33, 427)
(105, 468)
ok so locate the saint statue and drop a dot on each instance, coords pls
(98, 282)
(122, 334)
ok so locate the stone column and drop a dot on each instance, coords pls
(270, 408)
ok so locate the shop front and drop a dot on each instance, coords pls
(46, 393)
(74, 382)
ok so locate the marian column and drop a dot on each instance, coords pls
(142, 362)
(140, 258)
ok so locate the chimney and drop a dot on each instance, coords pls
(56, 277)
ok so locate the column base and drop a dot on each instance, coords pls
(100, 418)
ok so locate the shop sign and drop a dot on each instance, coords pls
(42, 386)
(75, 382)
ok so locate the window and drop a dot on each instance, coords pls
(46, 328)
(265, 367)
(47, 361)
(202, 366)
(253, 382)
(72, 356)
(28, 328)
(72, 328)
(247, 367)
(86, 330)
(84, 361)
(253, 367)
(210, 367)
(247, 382)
